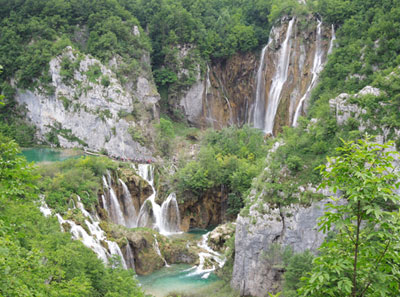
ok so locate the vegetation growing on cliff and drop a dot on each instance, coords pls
(229, 159)
(62, 181)
(36, 259)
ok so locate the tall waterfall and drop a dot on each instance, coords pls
(259, 106)
(152, 214)
(278, 81)
(316, 69)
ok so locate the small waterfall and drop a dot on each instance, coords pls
(115, 208)
(103, 200)
(332, 40)
(209, 117)
(115, 250)
(170, 217)
(130, 258)
(157, 248)
(95, 238)
(278, 81)
(150, 209)
(44, 208)
(208, 254)
(129, 208)
(165, 219)
(316, 69)
(111, 203)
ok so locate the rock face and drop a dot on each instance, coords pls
(90, 108)
(220, 235)
(202, 212)
(256, 235)
(238, 90)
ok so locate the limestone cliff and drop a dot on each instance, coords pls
(89, 107)
(273, 89)
(254, 273)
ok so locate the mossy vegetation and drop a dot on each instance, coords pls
(61, 181)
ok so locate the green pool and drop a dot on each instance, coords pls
(176, 278)
(49, 155)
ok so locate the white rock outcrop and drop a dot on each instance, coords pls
(90, 111)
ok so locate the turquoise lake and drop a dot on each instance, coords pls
(176, 278)
(38, 155)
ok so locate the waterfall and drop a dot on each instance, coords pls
(130, 258)
(332, 40)
(259, 107)
(94, 238)
(157, 248)
(44, 208)
(170, 218)
(316, 69)
(209, 117)
(115, 208)
(207, 255)
(103, 200)
(165, 219)
(278, 81)
(129, 208)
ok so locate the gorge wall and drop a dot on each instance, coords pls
(269, 92)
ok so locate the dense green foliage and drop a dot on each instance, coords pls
(362, 258)
(228, 159)
(62, 181)
(36, 259)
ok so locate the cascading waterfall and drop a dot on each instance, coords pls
(92, 239)
(316, 69)
(163, 218)
(208, 254)
(130, 210)
(278, 81)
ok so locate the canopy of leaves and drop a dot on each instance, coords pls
(362, 258)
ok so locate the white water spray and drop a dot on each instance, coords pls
(207, 254)
(152, 214)
(278, 81)
(331, 45)
(130, 210)
(316, 69)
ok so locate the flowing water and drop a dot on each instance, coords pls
(130, 212)
(278, 81)
(259, 106)
(91, 239)
(181, 277)
(315, 71)
(152, 214)
(175, 278)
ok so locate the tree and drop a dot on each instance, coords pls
(362, 258)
